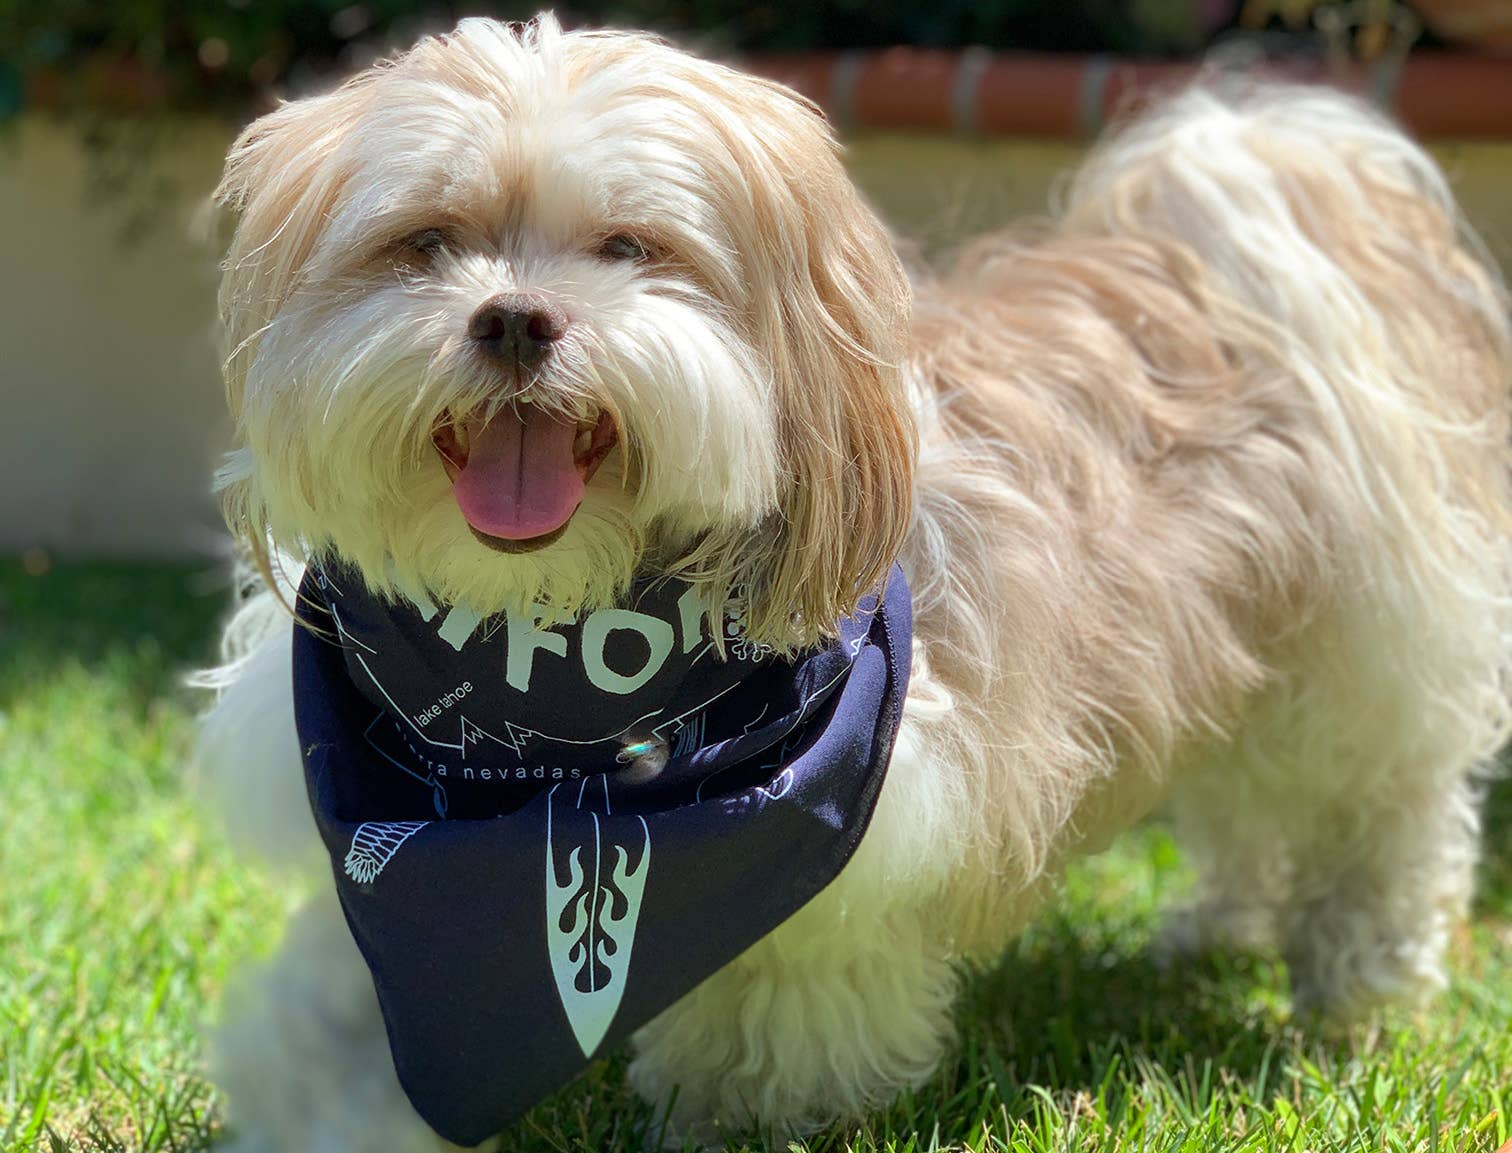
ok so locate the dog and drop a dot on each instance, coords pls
(1200, 491)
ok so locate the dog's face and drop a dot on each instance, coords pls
(522, 313)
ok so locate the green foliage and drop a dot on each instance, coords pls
(121, 913)
(227, 55)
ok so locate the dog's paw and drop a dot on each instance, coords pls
(1332, 990)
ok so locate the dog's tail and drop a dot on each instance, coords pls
(1329, 253)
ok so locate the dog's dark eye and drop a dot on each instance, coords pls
(622, 246)
(428, 242)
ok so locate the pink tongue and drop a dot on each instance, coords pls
(521, 479)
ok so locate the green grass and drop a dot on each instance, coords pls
(121, 913)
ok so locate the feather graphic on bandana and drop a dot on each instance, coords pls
(594, 887)
(374, 845)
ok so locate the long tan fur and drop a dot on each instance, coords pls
(1202, 487)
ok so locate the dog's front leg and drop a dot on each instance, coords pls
(845, 1004)
(815, 1023)
(303, 1057)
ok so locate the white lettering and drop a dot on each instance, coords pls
(458, 626)
(422, 602)
(596, 630)
(693, 608)
(524, 639)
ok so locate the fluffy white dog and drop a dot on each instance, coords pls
(1202, 491)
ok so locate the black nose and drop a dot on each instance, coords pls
(517, 327)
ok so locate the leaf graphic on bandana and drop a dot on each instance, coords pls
(594, 887)
(374, 844)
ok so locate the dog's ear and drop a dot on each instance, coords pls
(282, 176)
(831, 306)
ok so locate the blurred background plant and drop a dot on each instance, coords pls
(111, 68)
(230, 56)
(227, 55)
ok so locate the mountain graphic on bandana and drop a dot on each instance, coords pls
(594, 887)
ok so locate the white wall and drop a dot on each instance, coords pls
(110, 403)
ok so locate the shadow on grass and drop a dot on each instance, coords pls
(1082, 1010)
(143, 625)
(1494, 898)
(1082, 1018)
(1066, 1014)
(1078, 1016)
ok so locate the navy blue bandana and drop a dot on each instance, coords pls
(524, 896)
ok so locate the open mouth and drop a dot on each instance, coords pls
(519, 476)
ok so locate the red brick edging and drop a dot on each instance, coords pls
(979, 92)
(974, 91)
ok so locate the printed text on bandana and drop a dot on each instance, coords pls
(446, 701)
(525, 639)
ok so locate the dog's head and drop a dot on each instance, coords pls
(523, 312)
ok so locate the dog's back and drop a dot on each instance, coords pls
(1216, 479)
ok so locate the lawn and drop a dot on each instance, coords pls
(122, 912)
